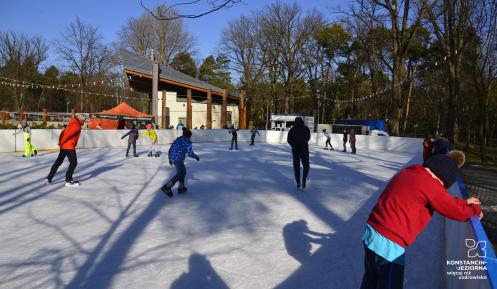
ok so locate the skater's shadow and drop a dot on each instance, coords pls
(200, 275)
(298, 240)
(98, 171)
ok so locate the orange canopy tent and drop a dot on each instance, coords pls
(116, 117)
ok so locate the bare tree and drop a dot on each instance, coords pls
(167, 38)
(450, 23)
(171, 12)
(404, 19)
(82, 48)
(484, 63)
(22, 55)
(286, 28)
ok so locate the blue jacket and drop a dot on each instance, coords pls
(180, 147)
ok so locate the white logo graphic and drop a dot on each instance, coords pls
(476, 249)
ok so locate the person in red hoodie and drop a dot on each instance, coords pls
(404, 209)
(67, 142)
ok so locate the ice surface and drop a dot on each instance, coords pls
(242, 224)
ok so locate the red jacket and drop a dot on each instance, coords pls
(406, 205)
(69, 137)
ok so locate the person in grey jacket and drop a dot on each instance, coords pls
(254, 132)
(298, 138)
(132, 137)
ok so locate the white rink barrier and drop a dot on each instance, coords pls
(47, 139)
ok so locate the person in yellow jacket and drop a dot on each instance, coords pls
(154, 146)
(29, 149)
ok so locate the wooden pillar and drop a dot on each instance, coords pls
(242, 112)
(22, 115)
(189, 108)
(45, 116)
(5, 116)
(209, 109)
(164, 110)
(224, 110)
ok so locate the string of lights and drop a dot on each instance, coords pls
(24, 84)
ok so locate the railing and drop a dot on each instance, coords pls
(481, 238)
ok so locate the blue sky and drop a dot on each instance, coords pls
(49, 18)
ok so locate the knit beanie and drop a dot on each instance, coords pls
(187, 133)
(444, 167)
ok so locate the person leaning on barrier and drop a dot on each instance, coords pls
(404, 209)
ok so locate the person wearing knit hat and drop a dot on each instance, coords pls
(404, 209)
(177, 153)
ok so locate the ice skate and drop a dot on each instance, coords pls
(182, 190)
(135, 155)
(72, 184)
(48, 181)
(167, 190)
(150, 154)
(157, 154)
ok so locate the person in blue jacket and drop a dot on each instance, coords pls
(177, 152)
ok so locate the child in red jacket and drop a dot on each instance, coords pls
(404, 209)
(68, 140)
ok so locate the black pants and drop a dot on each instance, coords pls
(73, 162)
(328, 142)
(134, 148)
(252, 139)
(380, 273)
(344, 145)
(352, 146)
(300, 156)
(234, 140)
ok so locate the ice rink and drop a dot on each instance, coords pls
(241, 225)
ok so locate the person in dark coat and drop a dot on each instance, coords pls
(132, 137)
(345, 139)
(352, 140)
(298, 138)
(234, 137)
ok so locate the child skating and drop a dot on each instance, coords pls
(177, 152)
(132, 137)
(254, 132)
(150, 132)
(234, 137)
(328, 139)
(344, 139)
(29, 149)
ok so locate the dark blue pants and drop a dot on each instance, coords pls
(134, 148)
(235, 141)
(300, 156)
(380, 273)
(180, 173)
(352, 146)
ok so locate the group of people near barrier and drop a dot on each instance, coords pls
(404, 208)
(402, 211)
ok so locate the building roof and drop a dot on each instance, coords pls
(140, 64)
